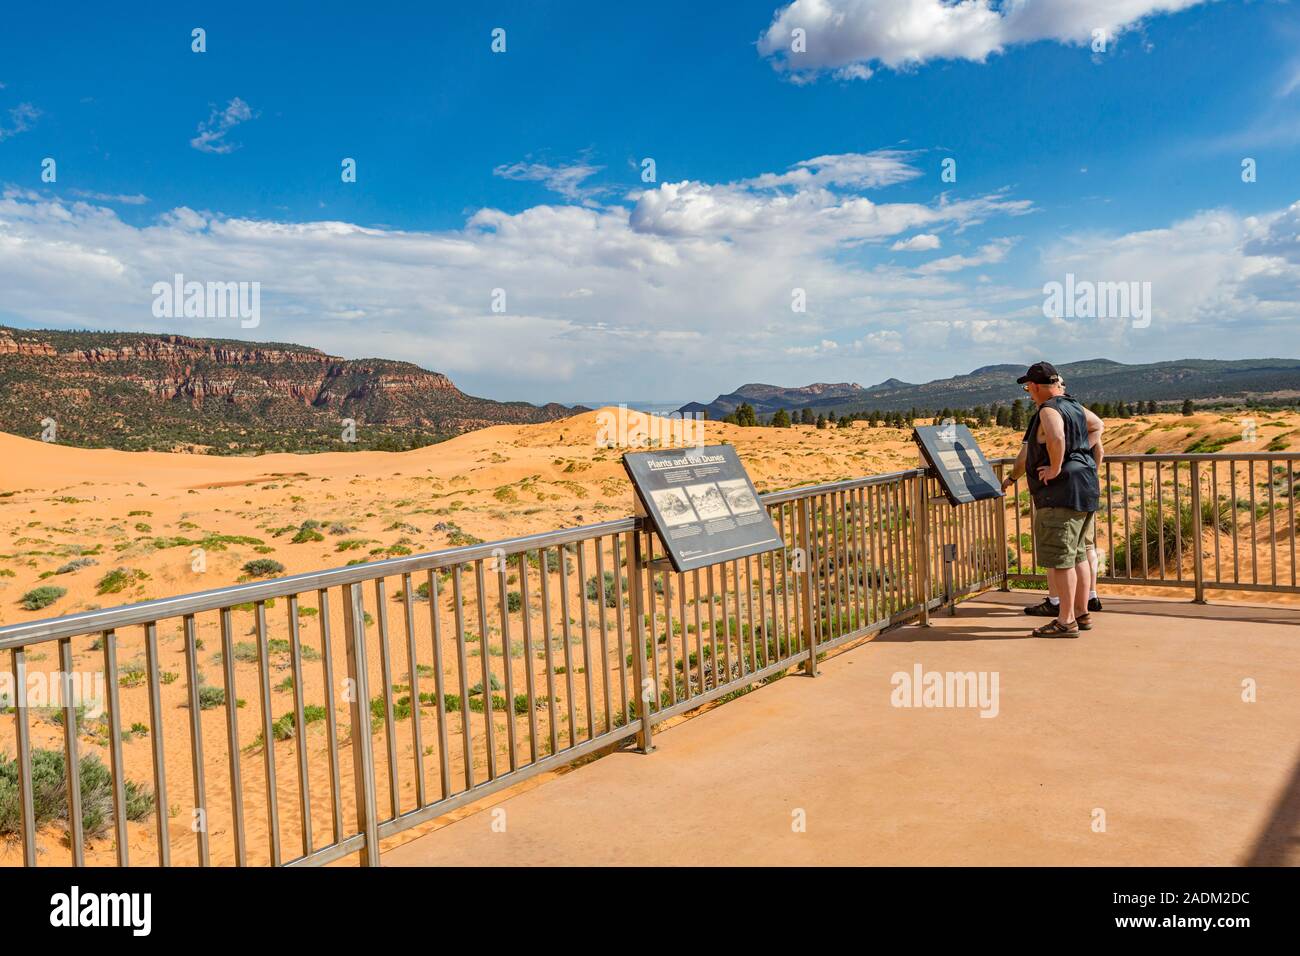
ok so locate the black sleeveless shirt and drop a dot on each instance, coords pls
(1076, 487)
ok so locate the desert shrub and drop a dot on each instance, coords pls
(306, 534)
(498, 704)
(75, 565)
(514, 601)
(50, 793)
(119, 579)
(478, 688)
(43, 596)
(1215, 516)
(210, 697)
(131, 674)
(610, 589)
(263, 567)
(283, 727)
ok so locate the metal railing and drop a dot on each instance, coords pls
(1195, 521)
(370, 699)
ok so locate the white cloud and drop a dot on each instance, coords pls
(849, 37)
(684, 284)
(212, 131)
(565, 180)
(921, 242)
(884, 167)
(992, 252)
(677, 275)
(21, 118)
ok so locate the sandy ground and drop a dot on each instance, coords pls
(147, 513)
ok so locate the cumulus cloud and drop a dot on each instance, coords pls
(212, 132)
(645, 296)
(852, 38)
(921, 242)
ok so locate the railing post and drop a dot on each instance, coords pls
(1198, 562)
(806, 586)
(363, 757)
(921, 539)
(1001, 525)
(636, 595)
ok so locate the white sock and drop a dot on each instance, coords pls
(1054, 600)
(1092, 594)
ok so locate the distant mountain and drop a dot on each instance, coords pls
(1093, 380)
(138, 391)
(766, 399)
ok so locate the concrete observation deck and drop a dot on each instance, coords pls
(1140, 724)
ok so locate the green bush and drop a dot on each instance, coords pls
(210, 697)
(1215, 516)
(43, 596)
(283, 728)
(263, 567)
(478, 688)
(119, 579)
(611, 589)
(50, 794)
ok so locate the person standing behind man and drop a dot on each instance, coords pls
(1056, 456)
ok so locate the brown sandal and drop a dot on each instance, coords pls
(1084, 621)
(1055, 629)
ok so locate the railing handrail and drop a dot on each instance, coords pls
(1180, 456)
(144, 612)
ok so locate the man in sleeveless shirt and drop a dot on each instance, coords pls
(1056, 456)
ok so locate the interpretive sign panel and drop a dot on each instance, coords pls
(963, 471)
(702, 504)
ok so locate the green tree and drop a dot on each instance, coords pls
(781, 419)
(1188, 407)
(1019, 420)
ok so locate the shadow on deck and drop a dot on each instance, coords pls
(1140, 723)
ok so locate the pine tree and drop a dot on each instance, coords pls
(1019, 421)
(821, 421)
(1188, 407)
(781, 419)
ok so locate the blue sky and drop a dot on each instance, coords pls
(521, 171)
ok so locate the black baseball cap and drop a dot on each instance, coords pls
(1040, 373)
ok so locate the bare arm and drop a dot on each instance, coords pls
(1053, 426)
(1095, 427)
(1017, 468)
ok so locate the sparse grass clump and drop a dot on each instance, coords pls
(75, 565)
(118, 580)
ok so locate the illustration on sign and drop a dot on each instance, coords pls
(957, 460)
(702, 504)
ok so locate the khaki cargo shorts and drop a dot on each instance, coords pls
(1062, 536)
